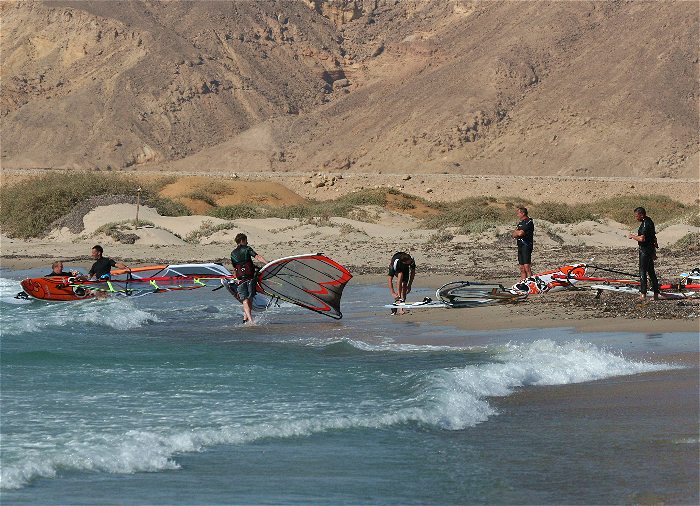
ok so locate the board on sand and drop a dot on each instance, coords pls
(428, 303)
(631, 290)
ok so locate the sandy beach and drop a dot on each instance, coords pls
(365, 247)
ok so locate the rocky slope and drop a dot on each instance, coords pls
(531, 88)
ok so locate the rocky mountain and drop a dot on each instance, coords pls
(456, 86)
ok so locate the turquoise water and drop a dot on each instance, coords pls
(170, 399)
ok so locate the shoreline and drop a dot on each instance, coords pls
(577, 310)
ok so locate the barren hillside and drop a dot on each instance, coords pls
(531, 88)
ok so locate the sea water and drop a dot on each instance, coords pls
(169, 398)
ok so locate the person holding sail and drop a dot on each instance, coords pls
(242, 259)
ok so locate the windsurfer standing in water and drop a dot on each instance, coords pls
(524, 234)
(242, 259)
(403, 268)
(646, 238)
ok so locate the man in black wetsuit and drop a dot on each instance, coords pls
(403, 268)
(646, 238)
(524, 234)
(242, 259)
(57, 270)
(101, 269)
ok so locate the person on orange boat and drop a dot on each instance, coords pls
(524, 234)
(646, 238)
(57, 270)
(102, 268)
(242, 259)
(402, 267)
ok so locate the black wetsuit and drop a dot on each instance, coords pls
(62, 273)
(101, 268)
(527, 242)
(396, 266)
(647, 252)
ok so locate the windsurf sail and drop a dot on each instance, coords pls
(314, 282)
(470, 293)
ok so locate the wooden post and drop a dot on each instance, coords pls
(138, 203)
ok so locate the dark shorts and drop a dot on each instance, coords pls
(246, 289)
(524, 254)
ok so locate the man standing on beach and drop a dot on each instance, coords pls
(242, 259)
(524, 234)
(646, 238)
(403, 268)
(101, 269)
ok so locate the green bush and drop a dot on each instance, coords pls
(204, 197)
(690, 241)
(237, 211)
(166, 207)
(621, 209)
(557, 212)
(473, 213)
(29, 207)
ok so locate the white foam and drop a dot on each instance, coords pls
(116, 312)
(460, 395)
(451, 399)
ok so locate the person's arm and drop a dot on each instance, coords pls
(390, 280)
(399, 281)
(260, 259)
(411, 275)
(642, 236)
(121, 266)
(517, 233)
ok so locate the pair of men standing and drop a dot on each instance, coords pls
(645, 237)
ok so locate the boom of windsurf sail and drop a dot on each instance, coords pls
(467, 293)
(164, 278)
(314, 282)
(464, 294)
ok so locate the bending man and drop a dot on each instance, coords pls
(403, 268)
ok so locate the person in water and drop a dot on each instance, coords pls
(242, 259)
(402, 267)
(524, 234)
(57, 270)
(646, 238)
(102, 268)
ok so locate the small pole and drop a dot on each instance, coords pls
(138, 203)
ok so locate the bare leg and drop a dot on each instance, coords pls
(528, 270)
(247, 311)
(402, 294)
